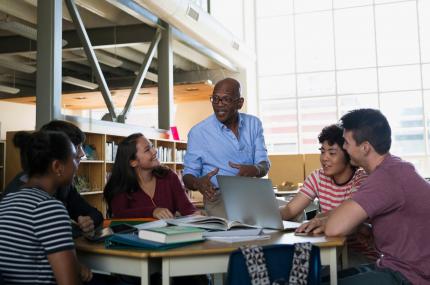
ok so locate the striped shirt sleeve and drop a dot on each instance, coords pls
(52, 226)
(310, 186)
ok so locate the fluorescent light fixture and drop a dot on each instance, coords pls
(149, 75)
(7, 89)
(102, 58)
(22, 30)
(14, 65)
(79, 82)
(108, 60)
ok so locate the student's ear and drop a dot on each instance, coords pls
(133, 163)
(366, 147)
(57, 167)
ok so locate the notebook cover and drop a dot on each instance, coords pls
(132, 241)
(176, 230)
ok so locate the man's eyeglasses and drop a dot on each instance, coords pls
(215, 99)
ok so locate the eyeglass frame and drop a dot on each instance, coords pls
(223, 100)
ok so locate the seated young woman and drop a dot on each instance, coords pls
(36, 245)
(140, 187)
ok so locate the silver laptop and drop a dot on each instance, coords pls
(250, 200)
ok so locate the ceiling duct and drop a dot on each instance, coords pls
(201, 26)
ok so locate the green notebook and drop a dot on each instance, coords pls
(174, 234)
(132, 241)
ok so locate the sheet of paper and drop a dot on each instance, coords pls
(238, 238)
(291, 225)
(233, 232)
(296, 239)
(151, 225)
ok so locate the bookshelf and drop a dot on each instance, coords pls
(94, 171)
(2, 164)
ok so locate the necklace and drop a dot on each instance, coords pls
(151, 187)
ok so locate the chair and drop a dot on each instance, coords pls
(278, 262)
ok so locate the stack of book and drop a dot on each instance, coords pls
(155, 238)
(172, 235)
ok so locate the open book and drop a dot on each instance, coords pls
(208, 222)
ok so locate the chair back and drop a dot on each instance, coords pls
(279, 261)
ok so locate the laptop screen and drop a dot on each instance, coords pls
(250, 201)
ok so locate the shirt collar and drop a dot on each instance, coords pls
(221, 126)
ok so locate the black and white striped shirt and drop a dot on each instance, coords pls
(32, 226)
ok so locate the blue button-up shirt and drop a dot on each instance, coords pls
(212, 145)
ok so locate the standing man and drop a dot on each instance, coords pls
(394, 198)
(226, 143)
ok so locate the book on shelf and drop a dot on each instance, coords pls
(114, 151)
(173, 234)
(208, 222)
(108, 151)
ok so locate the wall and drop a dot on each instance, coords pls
(14, 117)
(189, 114)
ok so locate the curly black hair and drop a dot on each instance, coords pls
(333, 134)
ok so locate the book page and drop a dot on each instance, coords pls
(211, 223)
(151, 225)
(237, 224)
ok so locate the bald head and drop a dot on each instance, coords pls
(227, 86)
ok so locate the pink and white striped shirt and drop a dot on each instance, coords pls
(330, 194)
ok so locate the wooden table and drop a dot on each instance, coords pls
(208, 257)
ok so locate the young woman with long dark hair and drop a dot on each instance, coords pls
(140, 187)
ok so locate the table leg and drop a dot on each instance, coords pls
(333, 265)
(345, 257)
(145, 275)
(165, 271)
(218, 278)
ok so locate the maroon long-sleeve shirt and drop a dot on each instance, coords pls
(169, 194)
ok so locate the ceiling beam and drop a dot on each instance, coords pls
(102, 37)
(192, 55)
(19, 9)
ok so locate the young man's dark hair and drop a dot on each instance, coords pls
(369, 125)
(333, 134)
(73, 132)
